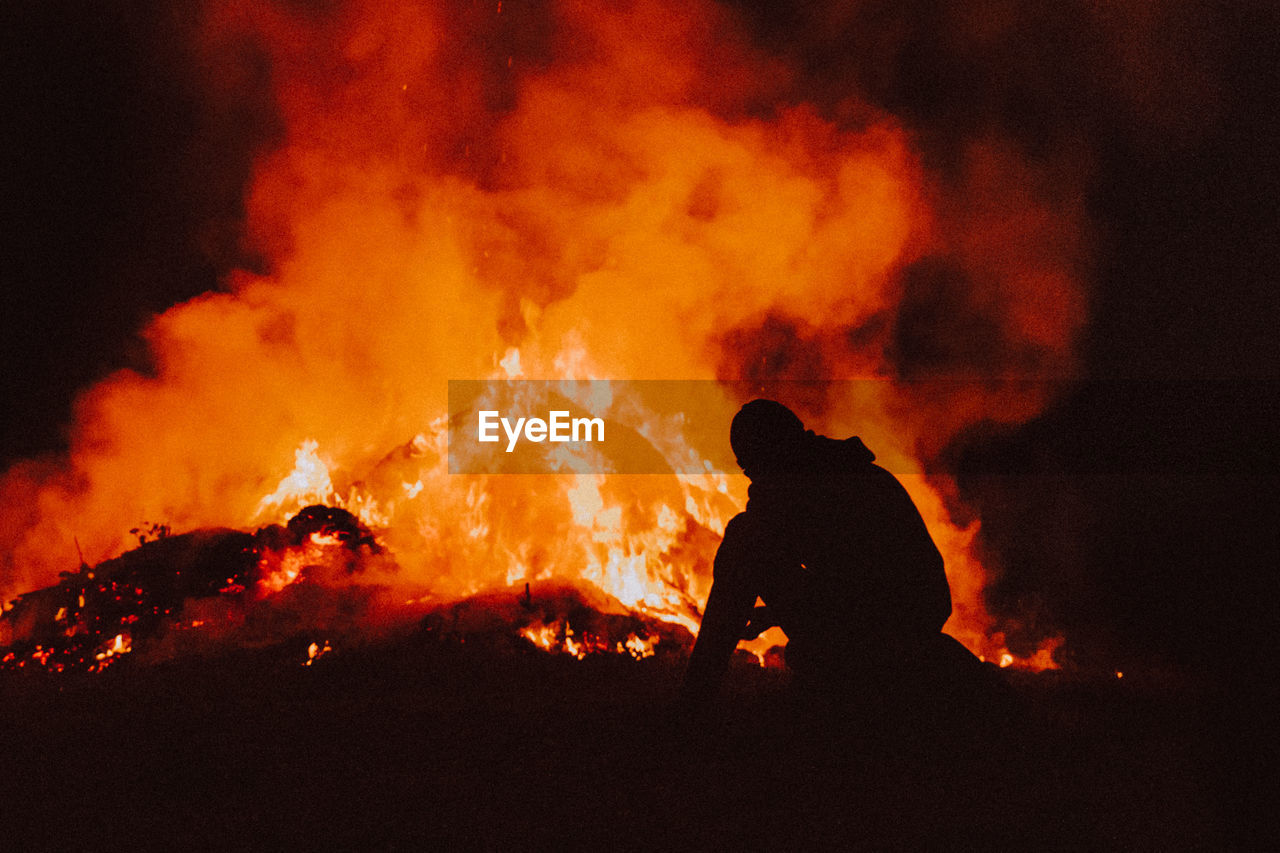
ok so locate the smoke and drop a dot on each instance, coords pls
(662, 190)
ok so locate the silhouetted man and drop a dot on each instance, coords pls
(837, 551)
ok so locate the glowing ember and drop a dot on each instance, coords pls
(560, 638)
(638, 648)
(315, 651)
(120, 645)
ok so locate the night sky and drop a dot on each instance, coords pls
(1138, 513)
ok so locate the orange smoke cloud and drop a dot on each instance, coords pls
(579, 191)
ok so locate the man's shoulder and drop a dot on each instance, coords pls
(850, 453)
(747, 528)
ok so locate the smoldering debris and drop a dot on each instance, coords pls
(322, 578)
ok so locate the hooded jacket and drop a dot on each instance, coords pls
(839, 554)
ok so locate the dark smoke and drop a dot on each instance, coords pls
(1134, 515)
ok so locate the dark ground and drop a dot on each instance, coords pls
(428, 746)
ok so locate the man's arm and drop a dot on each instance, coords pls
(737, 582)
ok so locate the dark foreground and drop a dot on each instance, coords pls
(466, 747)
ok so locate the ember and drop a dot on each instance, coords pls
(316, 651)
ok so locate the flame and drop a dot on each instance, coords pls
(545, 637)
(290, 567)
(278, 570)
(597, 205)
(308, 482)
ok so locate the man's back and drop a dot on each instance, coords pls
(843, 550)
(838, 552)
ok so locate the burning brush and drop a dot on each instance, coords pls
(320, 571)
(93, 616)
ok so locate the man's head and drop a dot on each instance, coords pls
(763, 435)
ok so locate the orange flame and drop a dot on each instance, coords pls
(627, 205)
